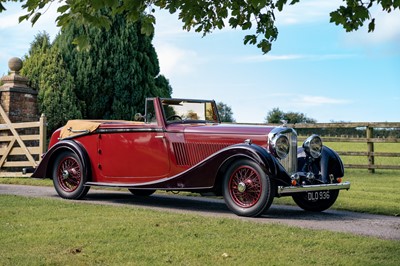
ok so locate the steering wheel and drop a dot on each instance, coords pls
(172, 117)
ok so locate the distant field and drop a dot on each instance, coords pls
(379, 147)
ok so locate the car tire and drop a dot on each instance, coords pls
(68, 176)
(247, 189)
(141, 192)
(315, 203)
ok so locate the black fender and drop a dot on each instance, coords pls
(329, 163)
(44, 168)
(268, 163)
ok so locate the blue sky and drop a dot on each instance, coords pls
(314, 67)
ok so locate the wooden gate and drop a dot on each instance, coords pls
(21, 144)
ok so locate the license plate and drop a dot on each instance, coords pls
(318, 195)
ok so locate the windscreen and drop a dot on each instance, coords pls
(192, 111)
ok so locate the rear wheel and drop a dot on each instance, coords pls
(316, 201)
(141, 192)
(68, 176)
(247, 189)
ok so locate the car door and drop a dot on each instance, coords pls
(138, 154)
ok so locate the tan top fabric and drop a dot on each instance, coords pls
(78, 127)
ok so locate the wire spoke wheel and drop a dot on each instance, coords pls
(247, 189)
(69, 176)
(245, 186)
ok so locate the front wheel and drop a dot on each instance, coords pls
(68, 176)
(247, 189)
(316, 201)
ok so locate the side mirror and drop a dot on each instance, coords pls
(138, 117)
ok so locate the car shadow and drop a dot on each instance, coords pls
(208, 206)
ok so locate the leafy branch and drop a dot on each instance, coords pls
(255, 17)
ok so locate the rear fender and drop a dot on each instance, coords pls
(46, 164)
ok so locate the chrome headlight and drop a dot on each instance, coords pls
(313, 146)
(279, 146)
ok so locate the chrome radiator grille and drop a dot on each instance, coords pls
(290, 162)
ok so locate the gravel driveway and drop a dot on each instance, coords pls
(385, 227)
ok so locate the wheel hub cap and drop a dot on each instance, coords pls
(65, 174)
(241, 187)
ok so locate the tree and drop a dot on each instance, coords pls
(117, 72)
(45, 68)
(225, 112)
(36, 59)
(203, 15)
(276, 116)
(110, 80)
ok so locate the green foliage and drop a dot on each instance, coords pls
(117, 72)
(204, 16)
(276, 116)
(45, 68)
(225, 112)
(36, 59)
(355, 13)
(109, 80)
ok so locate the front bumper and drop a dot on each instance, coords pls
(309, 188)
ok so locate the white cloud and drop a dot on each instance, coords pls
(306, 12)
(9, 20)
(16, 37)
(175, 61)
(308, 100)
(386, 30)
(287, 57)
(287, 102)
(269, 57)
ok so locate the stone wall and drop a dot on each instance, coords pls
(17, 99)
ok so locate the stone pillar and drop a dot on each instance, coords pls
(17, 99)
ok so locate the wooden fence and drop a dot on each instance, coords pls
(21, 144)
(370, 140)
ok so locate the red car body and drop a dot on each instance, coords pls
(182, 146)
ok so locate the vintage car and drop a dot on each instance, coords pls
(181, 145)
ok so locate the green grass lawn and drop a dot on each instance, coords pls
(52, 232)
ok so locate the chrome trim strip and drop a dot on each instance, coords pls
(119, 130)
(290, 162)
(137, 185)
(308, 188)
(84, 131)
